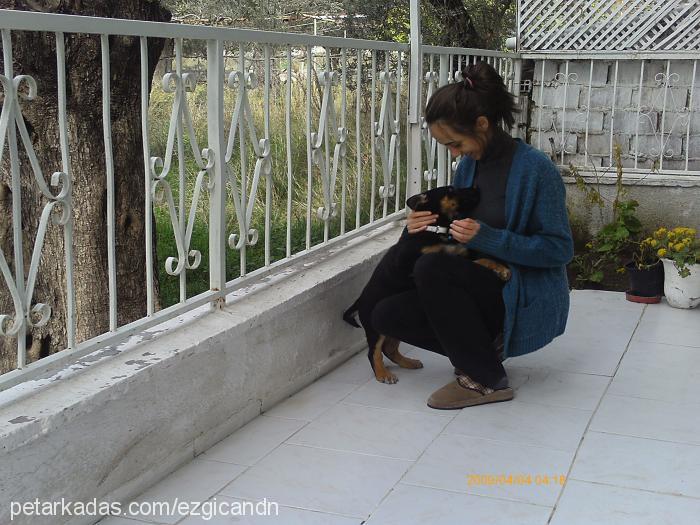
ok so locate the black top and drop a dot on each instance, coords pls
(491, 176)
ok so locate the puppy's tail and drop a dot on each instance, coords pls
(350, 315)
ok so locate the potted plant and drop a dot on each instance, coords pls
(679, 250)
(645, 272)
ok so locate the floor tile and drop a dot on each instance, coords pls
(414, 386)
(355, 370)
(589, 503)
(413, 505)
(318, 479)
(631, 416)
(451, 459)
(250, 443)
(222, 510)
(313, 400)
(585, 354)
(599, 299)
(672, 326)
(198, 480)
(371, 430)
(552, 427)
(639, 463)
(557, 388)
(612, 326)
(659, 371)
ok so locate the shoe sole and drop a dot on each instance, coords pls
(504, 394)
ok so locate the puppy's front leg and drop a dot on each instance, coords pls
(380, 373)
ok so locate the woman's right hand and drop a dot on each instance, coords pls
(418, 221)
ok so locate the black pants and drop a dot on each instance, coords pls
(455, 309)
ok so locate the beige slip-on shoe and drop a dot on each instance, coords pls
(465, 392)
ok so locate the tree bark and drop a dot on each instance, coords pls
(34, 53)
(460, 30)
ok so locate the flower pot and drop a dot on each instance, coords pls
(681, 292)
(647, 283)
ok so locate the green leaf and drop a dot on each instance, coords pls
(596, 277)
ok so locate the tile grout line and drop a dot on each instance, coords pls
(687, 443)
(415, 462)
(306, 423)
(660, 492)
(595, 410)
(452, 491)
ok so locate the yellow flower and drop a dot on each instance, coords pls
(661, 252)
(589, 245)
(660, 233)
(621, 270)
(679, 246)
(653, 243)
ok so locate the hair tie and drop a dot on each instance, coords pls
(467, 79)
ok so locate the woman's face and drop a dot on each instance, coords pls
(459, 144)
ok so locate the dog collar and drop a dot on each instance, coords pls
(437, 229)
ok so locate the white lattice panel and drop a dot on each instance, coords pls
(609, 25)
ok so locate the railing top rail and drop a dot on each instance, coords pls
(29, 21)
(442, 50)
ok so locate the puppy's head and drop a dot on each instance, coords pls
(448, 202)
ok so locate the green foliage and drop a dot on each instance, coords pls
(615, 238)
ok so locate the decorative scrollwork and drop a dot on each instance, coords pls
(327, 122)
(57, 210)
(387, 120)
(430, 144)
(659, 102)
(179, 84)
(243, 118)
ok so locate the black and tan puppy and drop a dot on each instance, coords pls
(394, 273)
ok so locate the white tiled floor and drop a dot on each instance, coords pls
(613, 406)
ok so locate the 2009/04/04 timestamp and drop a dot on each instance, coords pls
(515, 479)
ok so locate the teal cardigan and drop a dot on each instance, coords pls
(536, 244)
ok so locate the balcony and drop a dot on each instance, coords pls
(237, 381)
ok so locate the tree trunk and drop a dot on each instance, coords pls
(459, 26)
(34, 54)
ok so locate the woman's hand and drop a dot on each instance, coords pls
(464, 230)
(417, 221)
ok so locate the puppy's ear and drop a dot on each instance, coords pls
(416, 200)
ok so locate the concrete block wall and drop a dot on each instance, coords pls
(595, 105)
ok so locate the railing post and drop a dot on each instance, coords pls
(217, 195)
(415, 74)
(515, 89)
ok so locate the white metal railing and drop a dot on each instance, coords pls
(584, 106)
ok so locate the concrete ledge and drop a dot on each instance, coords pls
(126, 416)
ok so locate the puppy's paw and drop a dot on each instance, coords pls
(407, 362)
(387, 377)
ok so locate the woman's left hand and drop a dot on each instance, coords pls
(464, 230)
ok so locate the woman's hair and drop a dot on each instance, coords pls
(481, 92)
